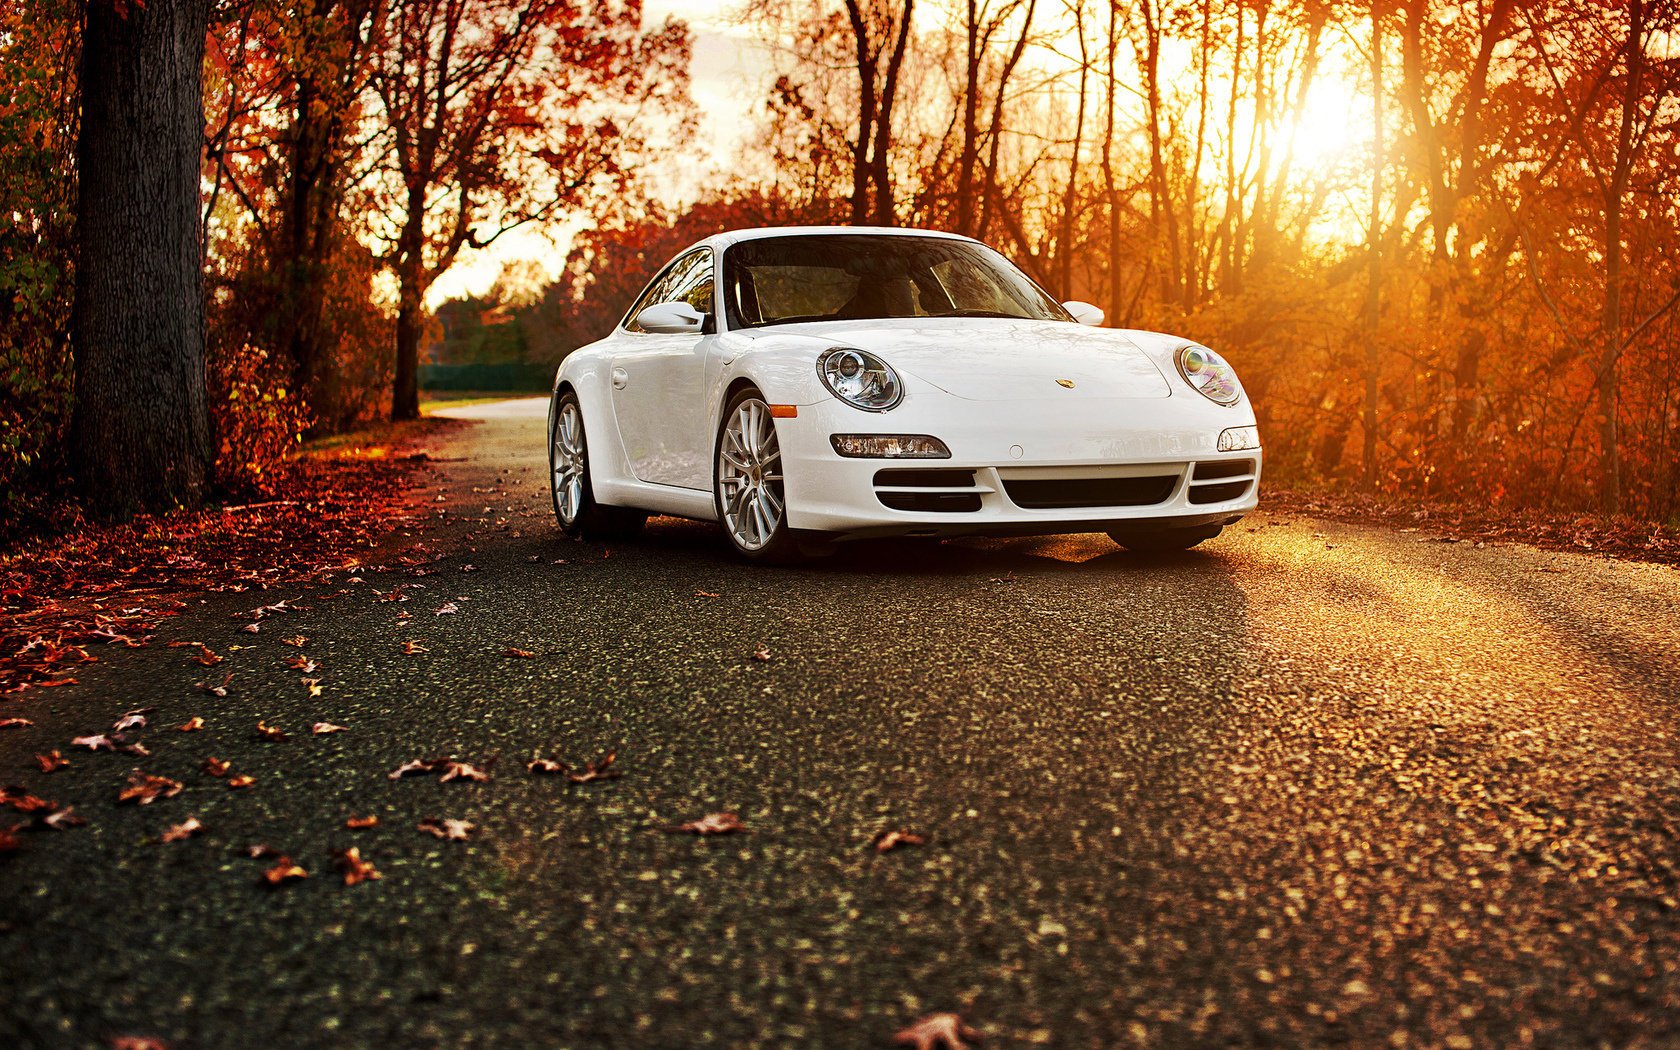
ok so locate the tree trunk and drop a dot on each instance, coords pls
(411, 311)
(141, 432)
(970, 155)
(1610, 324)
(866, 60)
(1373, 287)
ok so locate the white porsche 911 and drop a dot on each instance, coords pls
(806, 385)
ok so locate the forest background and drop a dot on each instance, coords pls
(1440, 239)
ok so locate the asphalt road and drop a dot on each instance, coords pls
(1311, 784)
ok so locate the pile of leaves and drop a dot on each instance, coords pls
(1617, 537)
(89, 583)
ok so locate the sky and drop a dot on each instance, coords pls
(727, 80)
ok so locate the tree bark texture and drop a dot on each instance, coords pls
(141, 430)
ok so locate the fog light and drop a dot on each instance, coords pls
(889, 446)
(1238, 438)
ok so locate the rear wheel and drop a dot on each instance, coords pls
(574, 499)
(1157, 540)
(747, 484)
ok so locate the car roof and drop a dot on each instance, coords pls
(720, 241)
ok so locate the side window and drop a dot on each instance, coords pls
(688, 280)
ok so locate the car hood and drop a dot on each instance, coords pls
(998, 359)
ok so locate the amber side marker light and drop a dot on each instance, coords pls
(784, 411)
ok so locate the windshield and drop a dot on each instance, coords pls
(843, 276)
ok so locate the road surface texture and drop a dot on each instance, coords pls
(1312, 784)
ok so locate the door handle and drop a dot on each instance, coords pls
(619, 378)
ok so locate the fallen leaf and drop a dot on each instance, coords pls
(362, 823)
(186, 829)
(14, 723)
(216, 690)
(216, 767)
(252, 628)
(284, 871)
(135, 719)
(453, 770)
(300, 662)
(707, 594)
(761, 654)
(268, 732)
(60, 820)
(889, 840)
(411, 647)
(296, 641)
(94, 743)
(446, 609)
(355, 869)
(136, 1042)
(191, 725)
(9, 840)
(313, 685)
(944, 1031)
(524, 654)
(599, 769)
(242, 780)
(416, 765)
(24, 802)
(143, 789)
(710, 824)
(207, 657)
(453, 830)
(51, 761)
(321, 728)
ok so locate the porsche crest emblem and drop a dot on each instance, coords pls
(1068, 383)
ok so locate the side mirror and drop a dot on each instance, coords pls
(671, 319)
(1084, 313)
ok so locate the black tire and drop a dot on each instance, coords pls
(785, 546)
(589, 520)
(1165, 540)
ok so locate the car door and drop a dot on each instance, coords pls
(659, 381)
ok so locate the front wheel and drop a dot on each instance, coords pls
(574, 498)
(1163, 540)
(747, 484)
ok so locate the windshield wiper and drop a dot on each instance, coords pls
(980, 313)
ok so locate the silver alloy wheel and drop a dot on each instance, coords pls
(749, 473)
(569, 462)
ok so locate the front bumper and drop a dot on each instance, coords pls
(1132, 464)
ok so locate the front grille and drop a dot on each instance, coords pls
(924, 477)
(1214, 469)
(931, 502)
(1068, 493)
(1218, 493)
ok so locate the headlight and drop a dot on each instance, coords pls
(1239, 439)
(889, 446)
(860, 379)
(1210, 374)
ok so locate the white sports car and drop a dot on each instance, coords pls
(806, 385)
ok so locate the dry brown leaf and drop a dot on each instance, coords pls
(24, 802)
(95, 743)
(296, 641)
(446, 609)
(943, 1031)
(216, 767)
(301, 662)
(51, 762)
(252, 628)
(206, 656)
(14, 723)
(62, 819)
(707, 594)
(453, 770)
(143, 789)
(355, 868)
(885, 841)
(313, 685)
(524, 654)
(322, 728)
(9, 840)
(268, 732)
(216, 690)
(761, 654)
(284, 871)
(711, 824)
(135, 719)
(444, 828)
(599, 769)
(184, 830)
(362, 823)
(136, 1042)
(191, 725)
(411, 647)
(241, 780)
